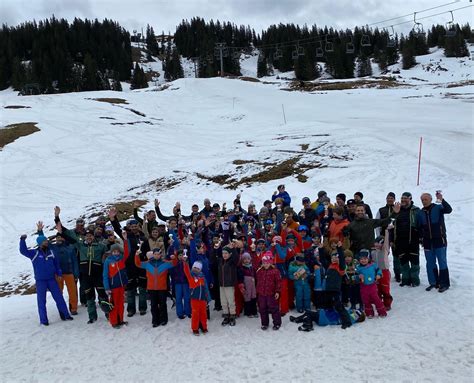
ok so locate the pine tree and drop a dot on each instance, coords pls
(138, 78)
(408, 56)
(455, 46)
(262, 66)
(364, 67)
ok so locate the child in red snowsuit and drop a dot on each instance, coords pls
(268, 292)
(199, 296)
(115, 281)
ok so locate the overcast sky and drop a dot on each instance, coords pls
(259, 14)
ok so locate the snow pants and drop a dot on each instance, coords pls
(42, 286)
(303, 296)
(183, 300)
(383, 289)
(228, 300)
(370, 297)
(70, 282)
(159, 310)
(117, 299)
(269, 305)
(438, 274)
(199, 314)
(284, 306)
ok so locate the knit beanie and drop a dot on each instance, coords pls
(197, 265)
(116, 246)
(41, 239)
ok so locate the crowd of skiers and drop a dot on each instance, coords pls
(328, 261)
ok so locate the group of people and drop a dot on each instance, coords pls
(328, 261)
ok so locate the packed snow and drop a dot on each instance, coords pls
(90, 154)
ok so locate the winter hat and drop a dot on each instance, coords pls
(227, 249)
(321, 193)
(299, 257)
(391, 194)
(305, 199)
(89, 231)
(269, 222)
(341, 196)
(149, 254)
(80, 221)
(261, 240)
(156, 250)
(264, 210)
(116, 246)
(267, 257)
(359, 194)
(348, 253)
(132, 222)
(290, 236)
(246, 256)
(197, 265)
(351, 202)
(364, 253)
(41, 239)
(406, 194)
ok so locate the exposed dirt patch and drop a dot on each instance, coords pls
(14, 131)
(221, 179)
(300, 136)
(136, 112)
(250, 79)
(110, 100)
(107, 118)
(132, 123)
(302, 178)
(17, 107)
(460, 83)
(304, 146)
(157, 185)
(344, 85)
(23, 287)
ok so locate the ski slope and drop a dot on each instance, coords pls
(90, 154)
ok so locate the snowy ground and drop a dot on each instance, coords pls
(82, 158)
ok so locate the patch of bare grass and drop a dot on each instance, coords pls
(110, 100)
(14, 131)
(17, 107)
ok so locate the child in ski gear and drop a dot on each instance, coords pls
(299, 273)
(115, 281)
(199, 296)
(46, 268)
(334, 275)
(380, 257)
(369, 274)
(268, 292)
(227, 273)
(248, 286)
(325, 317)
(350, 288)
(157, 277)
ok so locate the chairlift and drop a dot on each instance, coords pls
(319, 50)
(350, 49)
(329, 46)
(278, 54)
(225, 52)
(417, 29)
(236, 54)
(391, 43)
(294, 55)
(300, 51)
(450, 27)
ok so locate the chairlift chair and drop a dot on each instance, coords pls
(300, 51)
(417, 29)
(278, 54)
(391, 43)
(350, 49)
(450, 27)
(329, 46)
(294, 55)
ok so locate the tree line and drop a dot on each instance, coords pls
(55, 56)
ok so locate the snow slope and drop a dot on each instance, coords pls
(80, 160)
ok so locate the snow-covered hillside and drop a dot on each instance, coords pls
(91, 154)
